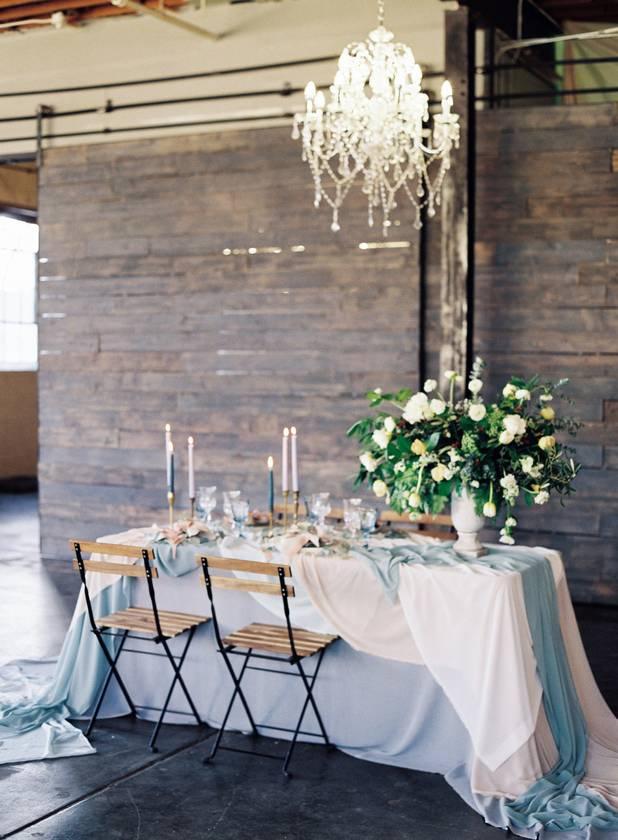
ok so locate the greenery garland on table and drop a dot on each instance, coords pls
(498, 452)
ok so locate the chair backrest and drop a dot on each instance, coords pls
(81, 547)
(132, 570)
(232, 564)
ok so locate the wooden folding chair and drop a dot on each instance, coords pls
(155, 625)
(276, 643)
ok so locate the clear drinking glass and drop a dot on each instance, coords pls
(319, 507)
(206, 502)
(368, 518)
(351, 515)
(240, 514)
(228, 496)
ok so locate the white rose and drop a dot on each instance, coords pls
(509, 390)
(381, 437)
(389, 424)
(489, 509)
(527, 464)
(546, 397)
(505, 438)
(477, 411)
(380, 488)
(430, 385)
(368, 461)
(541, 498)
(522, 394)
(514, 424)
(475, 386)
(437, 406)
(428, 412)
(450, 374)
(415, 408)
(474, 483)
(377, 391)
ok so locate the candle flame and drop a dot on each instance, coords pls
(190, 441)
(286, 432)
(168, 428)
(270, 462)
(293, 430)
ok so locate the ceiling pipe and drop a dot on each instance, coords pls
(166, 17)
(58, 20)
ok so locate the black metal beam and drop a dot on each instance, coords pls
(504, 15)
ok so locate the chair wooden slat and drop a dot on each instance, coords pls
(237, 565)
(274, 638)
(220, 582)
(108, 567)
(111, 548)
(142, 620)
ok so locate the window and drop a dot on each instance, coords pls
(19, 243)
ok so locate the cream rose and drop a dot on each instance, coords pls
(430, 385)
(440, 472)
(475, 386)
(437, 406)
(505, 438)
(489, 509)
(380, 488)
(547, 412)
(418, 447)
(509, 390)
(522, 394)
(547, 442)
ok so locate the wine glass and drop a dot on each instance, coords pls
(240, 514)
(206, 502)
(319, 508)
(228, 497)
(351, 515)
(368, 518)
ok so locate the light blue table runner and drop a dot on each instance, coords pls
(558, 801)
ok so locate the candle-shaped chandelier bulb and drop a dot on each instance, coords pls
(376, 130)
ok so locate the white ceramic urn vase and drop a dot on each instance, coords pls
(468, 525)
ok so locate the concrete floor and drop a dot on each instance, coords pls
(126, 793)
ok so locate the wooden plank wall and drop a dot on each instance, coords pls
(547, 301)
(144, 319)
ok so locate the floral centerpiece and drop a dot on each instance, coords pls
(433, 446)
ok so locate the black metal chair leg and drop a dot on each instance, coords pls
(111, 671)
(309, 688)
(176, 678)
(237, 692)
(177, 666)
(308, 699)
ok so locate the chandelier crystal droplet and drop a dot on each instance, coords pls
(375, 129)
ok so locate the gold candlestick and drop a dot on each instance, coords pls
(270, 523)
(192, 514)
(296, 505)
(170, 505)
(286, 495)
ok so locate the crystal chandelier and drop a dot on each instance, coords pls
(376, 128)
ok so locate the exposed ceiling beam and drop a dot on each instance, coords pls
(166, 17)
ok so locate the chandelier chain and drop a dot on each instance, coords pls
(380, 12)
